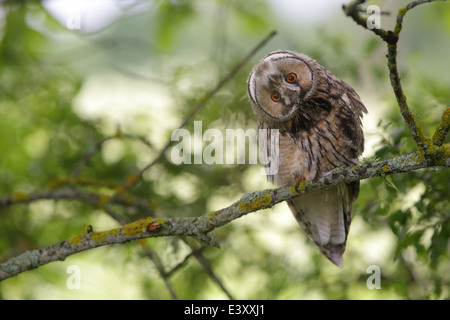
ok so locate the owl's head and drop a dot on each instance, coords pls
(278, 86)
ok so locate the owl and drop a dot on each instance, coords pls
(318, 121)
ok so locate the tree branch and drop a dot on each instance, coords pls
(199, 227)
(391, 38)
(97, 200)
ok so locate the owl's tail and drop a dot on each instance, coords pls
(326, 216)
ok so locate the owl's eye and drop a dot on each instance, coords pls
(276, 96)
(291, 77)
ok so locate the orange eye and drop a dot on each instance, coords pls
(276, 96)
(291, 77)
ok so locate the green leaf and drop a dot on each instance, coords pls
(388, 182)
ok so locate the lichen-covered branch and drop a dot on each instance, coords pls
(391, 38)
(200, 227)
(442, 129)
(353, 10)
(97, 200)
(102, 201)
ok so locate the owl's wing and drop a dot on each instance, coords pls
(325, 216)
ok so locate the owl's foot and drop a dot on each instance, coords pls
(300, 184)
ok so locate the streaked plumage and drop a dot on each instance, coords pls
(319, 121)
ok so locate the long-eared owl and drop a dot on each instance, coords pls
(318, 118)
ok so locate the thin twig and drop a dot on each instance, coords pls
(202, 102)
(391, 38)
(353, 10)
(208, 268)
(194, 251)
(197, 253)
(153, 255)
(88, 155)
(97, 200)
(442, 129)
(97, 147)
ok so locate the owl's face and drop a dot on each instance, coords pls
(279, 84)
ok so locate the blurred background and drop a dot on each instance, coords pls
(73, 73)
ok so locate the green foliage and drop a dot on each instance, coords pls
(176, 51)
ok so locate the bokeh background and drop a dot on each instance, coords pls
(73, 72)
